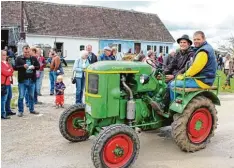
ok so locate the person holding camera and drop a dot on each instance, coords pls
(26, 65)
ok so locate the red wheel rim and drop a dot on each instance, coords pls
(199, 125)
(117, 151)
(72, 130)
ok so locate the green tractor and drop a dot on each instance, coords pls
(124, 97)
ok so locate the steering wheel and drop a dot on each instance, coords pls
(157, 68)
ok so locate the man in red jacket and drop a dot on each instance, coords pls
(6, 95)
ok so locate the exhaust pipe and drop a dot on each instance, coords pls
(131, 104)
(127, 87)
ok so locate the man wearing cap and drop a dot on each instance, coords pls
(177, 65)
(106, 56)
(204, 66)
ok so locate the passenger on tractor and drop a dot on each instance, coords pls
(203, 66)
(177, 64)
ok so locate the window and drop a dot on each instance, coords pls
(161, 49)
(148, 47)
(167, 49)
(93, 83)
(119, 47)
(155, 48)
(82, 47)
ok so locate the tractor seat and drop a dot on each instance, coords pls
(195, 89)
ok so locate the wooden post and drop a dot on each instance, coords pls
(22, 33)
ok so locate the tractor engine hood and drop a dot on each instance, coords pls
(119, 67)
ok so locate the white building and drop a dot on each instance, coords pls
(70, 28)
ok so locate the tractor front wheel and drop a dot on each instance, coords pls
(116, 146)
(193, 128)
(72, 123)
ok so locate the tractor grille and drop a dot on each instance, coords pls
(93, 84)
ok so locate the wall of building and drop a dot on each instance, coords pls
(125, 45)
(71, 46)
(156, 45)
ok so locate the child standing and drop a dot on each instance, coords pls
(59, 89)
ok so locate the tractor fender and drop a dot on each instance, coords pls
(179, 108)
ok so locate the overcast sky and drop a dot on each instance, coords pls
(214, 17)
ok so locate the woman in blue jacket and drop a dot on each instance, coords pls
(79, 66)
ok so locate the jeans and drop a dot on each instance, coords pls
(6, 101)
(53, 78)
(80, 83)
(39, 82)
(189, 83)
(28, 85)
(27, 96)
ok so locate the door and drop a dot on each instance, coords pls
(137, 48)
(59, 47)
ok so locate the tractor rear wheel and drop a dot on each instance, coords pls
(72, 123)
(193, 129)
(116, 146)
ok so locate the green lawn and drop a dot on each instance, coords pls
(222, 82)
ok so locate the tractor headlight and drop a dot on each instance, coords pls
(144, 79)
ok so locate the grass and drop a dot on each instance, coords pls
(222, 82)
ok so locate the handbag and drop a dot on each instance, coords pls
(3, 88)
(73, 79)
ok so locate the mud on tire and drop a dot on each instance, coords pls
(65, 127)
(180, 125)
(108, 136)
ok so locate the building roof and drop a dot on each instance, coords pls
(85, 21)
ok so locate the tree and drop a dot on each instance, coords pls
(228, 46)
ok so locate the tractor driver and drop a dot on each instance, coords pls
(178, 63)
(204, 66)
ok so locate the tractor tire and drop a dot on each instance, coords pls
(116, 146)
(194, 128)
(66, 125)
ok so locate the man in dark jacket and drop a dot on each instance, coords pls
(26, 65)
(92, 57)
(182, 57)
(178, 64)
